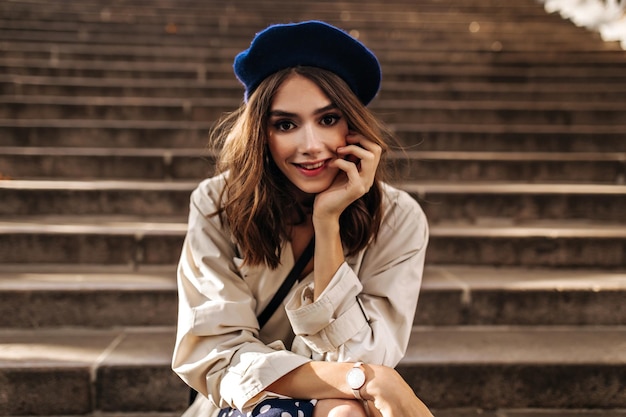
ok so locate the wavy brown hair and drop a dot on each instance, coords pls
(258, 199)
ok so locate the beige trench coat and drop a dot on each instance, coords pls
(365, 313)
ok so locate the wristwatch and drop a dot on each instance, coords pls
(356, 379)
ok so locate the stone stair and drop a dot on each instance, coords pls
(515, 135)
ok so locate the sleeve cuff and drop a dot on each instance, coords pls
(335, 317)
(260, 372)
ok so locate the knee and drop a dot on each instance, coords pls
(339, 408)
(348, 409)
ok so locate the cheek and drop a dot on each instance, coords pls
(277, 149)
(334, 137)
(342, 132)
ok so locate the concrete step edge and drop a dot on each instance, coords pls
(62, 295)
(398, 128)
(106, 34)
(67, 278)
(487, 156)
(158, 152)
(95, 225)
(462, 278)
(562, 93)
(419, 188)
(549, 230)
(546, 72)
(390, 86)
(477, 278)
(388, 54)
(390, 51)
(106, 124)
(378, 104)
(565, 345)
(510, 128)
(138, 226)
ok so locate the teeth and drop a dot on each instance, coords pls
(312, 166)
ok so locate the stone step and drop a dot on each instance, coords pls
(234, 26)
(18, 85)
(118, 163)
(128, 241)
(26, 85)
(519, 203)
(425, 30)
(109, 370)
(128, 369)
(500, 113)
(37, 296)
(549, 244)
(246, 13)
(529, 167)
(28, 163)
(425, 72)
(191, 7)
(420, 38)
(510, 137)
(475, 295)
(81, 51)
(479, 359)
(469, 202)
(97, 296)
(182, 26)
(423, 136)
(392, 110)
(107, 133)
(471, 36)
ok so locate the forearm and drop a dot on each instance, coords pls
(319, 380)
(328, 253)
(327, 380)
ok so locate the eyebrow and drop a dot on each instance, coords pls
(282, 113)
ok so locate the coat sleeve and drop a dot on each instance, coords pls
(217, 350)
(366, 312)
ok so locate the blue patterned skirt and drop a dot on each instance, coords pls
(276, 407)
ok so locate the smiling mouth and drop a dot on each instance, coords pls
(311, 166)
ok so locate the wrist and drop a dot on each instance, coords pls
(325, 222)
(361, 380)
(369, 387)
(356, 378)
(326, 229)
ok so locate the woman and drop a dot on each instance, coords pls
(301, 159)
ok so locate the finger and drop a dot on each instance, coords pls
(351, 170)
(362, 141)
(365, 161)
(358, 152)
(349, 167)
(364, 150)
(358, 183)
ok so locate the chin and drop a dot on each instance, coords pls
(309, 188)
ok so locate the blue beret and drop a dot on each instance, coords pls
(311, 43)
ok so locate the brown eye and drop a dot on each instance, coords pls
(284, 125)
(330, 119)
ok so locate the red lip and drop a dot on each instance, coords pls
(311, 172)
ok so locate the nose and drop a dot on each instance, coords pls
(311, 141)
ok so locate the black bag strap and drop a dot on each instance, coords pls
(268, 311)
(292, 278)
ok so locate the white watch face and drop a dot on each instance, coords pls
(355, 378)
